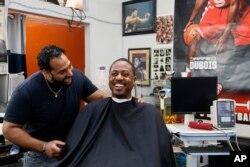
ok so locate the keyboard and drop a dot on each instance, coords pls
(206, 150)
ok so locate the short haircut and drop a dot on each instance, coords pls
(47, 54)
(126, 60)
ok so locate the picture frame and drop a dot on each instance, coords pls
(138, 17)
(140, 58)
(162, 63)
(164, 29)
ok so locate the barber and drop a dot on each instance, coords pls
(43, 108)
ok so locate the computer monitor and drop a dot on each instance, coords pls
(192, 95)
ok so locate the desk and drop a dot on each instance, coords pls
(198, 137)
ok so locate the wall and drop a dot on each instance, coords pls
(41, 31)
(147, 40)
(104, 41)
(103, 34)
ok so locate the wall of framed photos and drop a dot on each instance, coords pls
(159, 41)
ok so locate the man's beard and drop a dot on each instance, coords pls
(59, 83)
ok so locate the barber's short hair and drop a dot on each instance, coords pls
(48, 53)
(126, 60)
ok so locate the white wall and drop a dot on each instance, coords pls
(147, 41)
(103, 40)
(105, 43)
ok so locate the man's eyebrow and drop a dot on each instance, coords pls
(61, 70)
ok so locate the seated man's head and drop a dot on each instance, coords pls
(121, 78)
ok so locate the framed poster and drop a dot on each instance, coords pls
(138, 17)
(207, 44)
(140, 58)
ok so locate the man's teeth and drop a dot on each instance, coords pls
(118, 84)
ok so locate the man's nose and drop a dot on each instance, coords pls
(119, 76)
(70, 72)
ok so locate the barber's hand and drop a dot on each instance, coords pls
(139, 100)
(54, 148)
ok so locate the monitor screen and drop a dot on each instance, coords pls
(192, 94)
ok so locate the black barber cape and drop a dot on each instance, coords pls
(110, 134)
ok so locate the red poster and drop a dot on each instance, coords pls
(212, 38)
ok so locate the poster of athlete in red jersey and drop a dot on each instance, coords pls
(219, 46)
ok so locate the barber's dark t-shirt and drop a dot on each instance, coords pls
(44, 116)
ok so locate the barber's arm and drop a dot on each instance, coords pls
(15, 134)
(95, 96)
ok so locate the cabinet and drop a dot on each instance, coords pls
(202, 138)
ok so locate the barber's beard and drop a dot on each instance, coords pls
(59, 83)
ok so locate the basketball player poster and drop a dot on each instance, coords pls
(212, 38)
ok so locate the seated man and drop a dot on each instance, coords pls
(118, 131)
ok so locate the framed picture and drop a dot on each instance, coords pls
(138, 17)
(164, 29)
(162, 63)
(140, 58)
